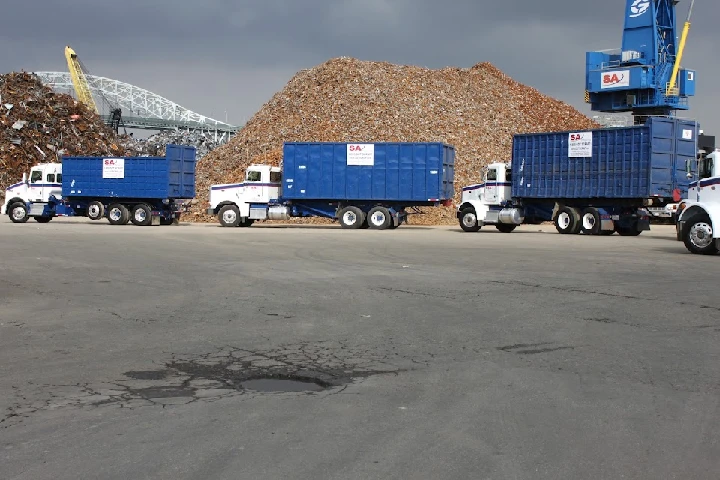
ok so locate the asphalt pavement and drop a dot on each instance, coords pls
(305, 352)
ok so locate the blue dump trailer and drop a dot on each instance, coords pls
(141, 190)
(363, 185)
(595, 182)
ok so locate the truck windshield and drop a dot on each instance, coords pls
(253, 176)
(491, 175)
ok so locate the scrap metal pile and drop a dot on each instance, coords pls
(347, 100)
(154, 146)
(38, 125)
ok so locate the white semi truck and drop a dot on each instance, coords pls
(698, 219)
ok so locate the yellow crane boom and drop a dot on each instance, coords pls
(671, 90)
(82, 89)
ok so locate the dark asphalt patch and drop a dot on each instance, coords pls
(322, 368)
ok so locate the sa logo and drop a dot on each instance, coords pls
(575, 136)
(109, 161)
(612, 79)
(356, 148)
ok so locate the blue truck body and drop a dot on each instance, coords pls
(144, 190)
(409, 173)
(146, 178)
(629, 163)
(323, 178)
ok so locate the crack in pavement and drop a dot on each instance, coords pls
(595, 292)
(331, 366)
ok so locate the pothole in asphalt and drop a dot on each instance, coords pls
(147, 374)
(270, 384)
(314, 369)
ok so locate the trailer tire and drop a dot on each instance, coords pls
(590, 221)
(95, 210)
(118, 214)
(142, 215)
(505, 227)
(567, 221)
(379, 218)
(245, 222)
(229, 216)
(42, 219)
(18, 213)
(468, 220)
(698, 235)
(351, 218)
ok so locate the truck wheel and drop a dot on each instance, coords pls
(18, 213)
(245, 222)
(505, 227)
(590, 222)
(42, 219)
(567, 221)
(229, 216)
(379, 218)
(351, 217)
(95, 210)
(698, 235)
(468, 220)
(118, 214)
(142, 215)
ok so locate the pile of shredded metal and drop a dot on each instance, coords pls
(477, 110)
(38, 125)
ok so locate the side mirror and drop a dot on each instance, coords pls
(688, 168)
(24, 179)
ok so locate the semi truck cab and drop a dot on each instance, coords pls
(698, 221)
(484, 203)
(29, 197)
(240, 204)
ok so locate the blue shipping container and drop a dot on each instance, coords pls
(394, 172)
(635, 162)
(171, 177)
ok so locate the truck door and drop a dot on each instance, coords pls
(253, 187)
(491, 187)
(35, 186)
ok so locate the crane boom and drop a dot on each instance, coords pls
(671, 90)
(82, 89)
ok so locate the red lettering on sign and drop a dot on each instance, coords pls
(609, 79)
(356, 148)
(575, 136)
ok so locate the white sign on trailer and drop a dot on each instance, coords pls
(580, 144)
(113, 168)
(361, 154)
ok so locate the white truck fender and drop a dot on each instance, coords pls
(480, 208)
(693, 208)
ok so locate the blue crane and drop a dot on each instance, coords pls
(643, 77)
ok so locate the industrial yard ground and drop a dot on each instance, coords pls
(132, 353)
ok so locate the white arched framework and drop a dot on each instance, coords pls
(138, 105)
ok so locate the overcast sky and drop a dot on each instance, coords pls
(229, 57)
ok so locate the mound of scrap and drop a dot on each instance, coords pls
(347, 100)
(38, 125)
